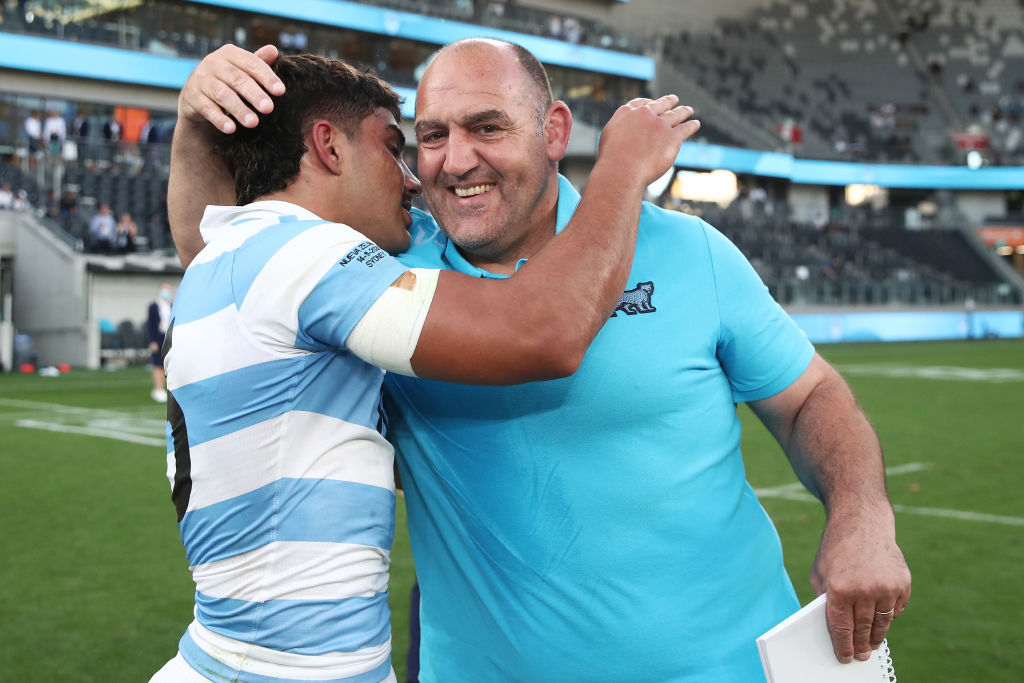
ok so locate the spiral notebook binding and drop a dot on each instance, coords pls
(890, 672)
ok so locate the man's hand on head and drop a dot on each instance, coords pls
(642, 138)
(230, 85)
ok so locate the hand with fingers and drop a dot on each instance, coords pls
(230, 85)
(643, 137)
(868, 584)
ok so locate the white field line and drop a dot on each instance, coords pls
(960, 514)
(796, 491)
(59, 408)
(940, 372)
(104, 423)
(89, 431)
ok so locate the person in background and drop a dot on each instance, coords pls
(34, 132)
(55, 131)
(69, 210)
(157, 319)
(126, 233)
(21, 201)
(6, 196)
(102, 230)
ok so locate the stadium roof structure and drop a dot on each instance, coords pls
(427, 29)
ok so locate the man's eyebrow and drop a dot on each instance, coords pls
(488, 115)
(422, 125)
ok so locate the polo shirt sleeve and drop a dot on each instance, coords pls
(760, 348)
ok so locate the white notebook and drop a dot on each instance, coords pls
(799, 650)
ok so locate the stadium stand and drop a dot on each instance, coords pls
(914, 81)
(879, 80)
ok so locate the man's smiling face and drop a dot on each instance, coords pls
(483, 158)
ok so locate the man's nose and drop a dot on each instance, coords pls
(460, 156)
(413, 188)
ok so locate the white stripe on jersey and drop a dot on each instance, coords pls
(308, 445)
(232, 350)
(270, 310)
(266, 662)
(298, 571)
(221, 235)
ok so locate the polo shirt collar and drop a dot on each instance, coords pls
(568, 200)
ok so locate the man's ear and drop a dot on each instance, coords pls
(325, 144)
(557, 124)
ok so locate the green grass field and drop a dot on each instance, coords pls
(95, 585)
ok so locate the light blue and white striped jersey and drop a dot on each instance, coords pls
(280, 472)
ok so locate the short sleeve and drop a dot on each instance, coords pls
(305, 285)
(348, 289)
(760, 348)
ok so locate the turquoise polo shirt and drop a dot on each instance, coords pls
(600, 527)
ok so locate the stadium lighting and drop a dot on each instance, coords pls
(858, 194)
(718, 186)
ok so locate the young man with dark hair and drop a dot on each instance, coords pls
(281, 329)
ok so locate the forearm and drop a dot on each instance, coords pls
(537, 324)
(587, 264)
(198, 178)
(836, 454)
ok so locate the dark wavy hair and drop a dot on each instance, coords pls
(266, 158)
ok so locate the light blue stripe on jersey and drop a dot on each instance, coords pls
(298, 626)
(203, 292)
(261, 248)
(211, 278)
(315, 510)
(221, 673)
(324, 318)
(270, 389)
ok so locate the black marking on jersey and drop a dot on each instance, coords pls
(181, 491)
(636, 300)
(382, 418)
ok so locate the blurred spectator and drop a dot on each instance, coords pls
(156, 327)
(55, 131)
(51, 208)
(68, 210)
(21, 202)
(292, 40)
(6, 196)
(112, 130)
(555, 26)
(833, 267)
(102, 230)
(34, 133)
(80, 127)
(126, 233)
(571, 30)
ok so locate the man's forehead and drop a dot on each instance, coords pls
(382, 121)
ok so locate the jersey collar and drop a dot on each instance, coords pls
(217, 219)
